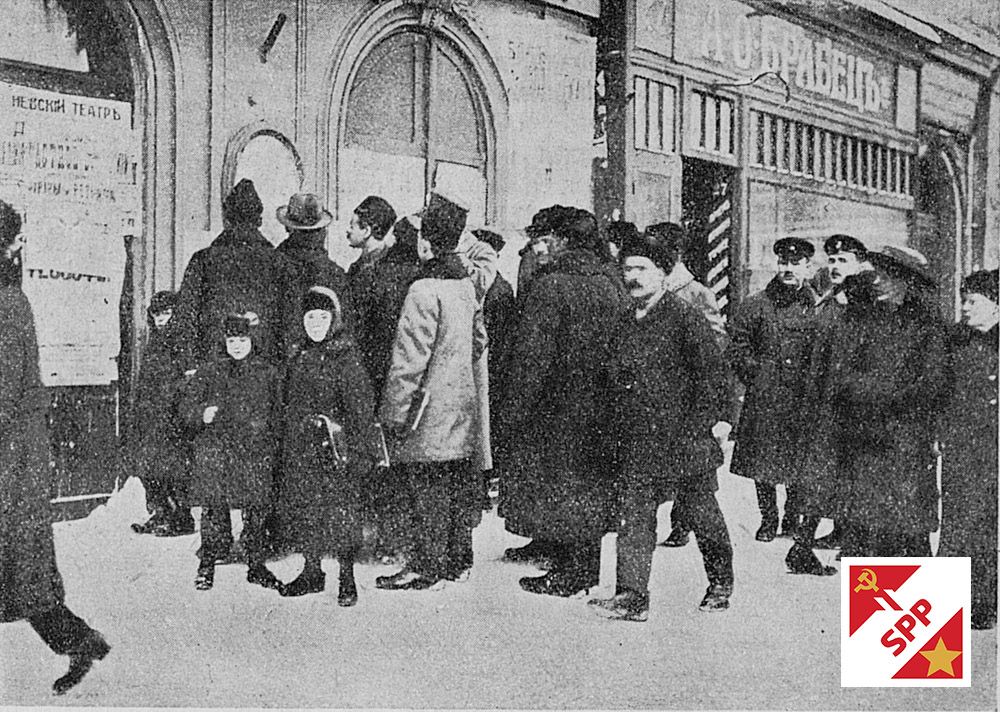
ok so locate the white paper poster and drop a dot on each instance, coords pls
(68, 165)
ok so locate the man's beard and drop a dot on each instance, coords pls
(10, 271)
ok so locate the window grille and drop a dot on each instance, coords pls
(714, 126)
(787, 145)
(655, 104)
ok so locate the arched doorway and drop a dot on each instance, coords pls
(90, 85)
(415, 116)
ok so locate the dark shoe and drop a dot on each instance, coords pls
(677, 538)
(830, 541)
(766, 532)
(205, 578)
(555, 585)
(716, 598)
(347, 596)
(174, 528)
(262, 576)
(407, 580)
(803, 560)
(93, 648)
(628, 605)
(150, 524)
(304, 584)
(531, 552)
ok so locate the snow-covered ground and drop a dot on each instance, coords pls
(479, 644)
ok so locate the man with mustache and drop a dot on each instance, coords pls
(846, 256)
(771, 337)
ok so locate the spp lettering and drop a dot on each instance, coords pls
(902, 632)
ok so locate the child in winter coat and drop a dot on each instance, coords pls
(160, 449)
(327, 423)
(231, 404)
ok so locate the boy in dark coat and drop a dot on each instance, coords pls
(327, 419)
(969, 445)
(30, 585)
(162, 450)
(667, 386)
(231, 404)
(771, 339)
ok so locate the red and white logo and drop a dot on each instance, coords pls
(904, 622)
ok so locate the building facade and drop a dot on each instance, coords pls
(751, 121)
(131, 119)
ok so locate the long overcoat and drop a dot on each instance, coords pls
(233, 457)
(667, 386)
(320, 497)
(881, 377)
(969, 446)
(439, 337)
(771, 339)
(557, 480)
(29, 580)
(160, 445)
(239, 272)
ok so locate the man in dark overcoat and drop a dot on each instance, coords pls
(969, 445)
(31, 587)
(771, 337)
(553, 424)
(306, 222)
(881, 375)
(667, 386)
(239, 273)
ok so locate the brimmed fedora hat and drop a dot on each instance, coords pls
(304, 211)
(903, 261)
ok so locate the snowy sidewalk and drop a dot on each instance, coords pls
(484, 643)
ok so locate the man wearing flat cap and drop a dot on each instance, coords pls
(881, 373)
(969, 444)
(771, 336)
(555, 484)
(239, 272)
(307, 223)
(667, 386)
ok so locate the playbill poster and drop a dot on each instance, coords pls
(68, 165)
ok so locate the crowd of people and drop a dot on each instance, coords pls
(383, 403)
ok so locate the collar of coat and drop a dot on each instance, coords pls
(964, 335)
(680, 276)
(332, 345)
(783, 296)
(241, 236)
(444, 267)
(310, 241)
(582, 262)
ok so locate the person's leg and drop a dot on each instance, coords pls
(635, 546)
(458, 556)
(984, 587)
(712, 536)
(767, 502)
(427, 483)
(67, 634)
(254, 542)
(680, 529)
(156, 504)
(801, 559)
(215, 542)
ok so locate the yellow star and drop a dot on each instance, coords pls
(940, 658)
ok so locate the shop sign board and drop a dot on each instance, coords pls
(739, 41)
(68, 165)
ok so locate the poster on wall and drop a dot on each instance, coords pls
(68, 165)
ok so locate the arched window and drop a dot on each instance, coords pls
(416, 119)
(270, 161)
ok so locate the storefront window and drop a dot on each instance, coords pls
(415, 120)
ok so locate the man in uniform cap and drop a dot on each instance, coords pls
(846, 256)
(771, 337)
(668, 390)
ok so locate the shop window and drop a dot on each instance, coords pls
(416, 118)
(715, 126)
(655, 111)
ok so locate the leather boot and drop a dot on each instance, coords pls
(347, 596)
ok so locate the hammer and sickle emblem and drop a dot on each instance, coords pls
(866, 581)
